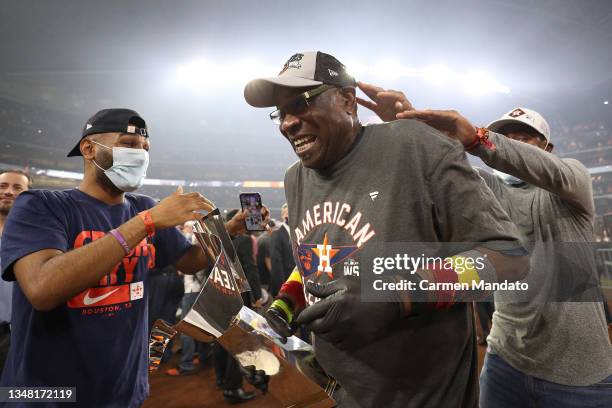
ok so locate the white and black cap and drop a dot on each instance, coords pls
(303, 69)
(523, 116)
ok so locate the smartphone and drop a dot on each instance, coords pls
(252, 203)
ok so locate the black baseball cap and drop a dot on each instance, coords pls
(301, 70)
(112, 120)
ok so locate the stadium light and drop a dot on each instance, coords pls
(209, 74)
(203, 73)
(438, 74)
(197, 73)
(388, 69)
(480, 82)
(356, 69)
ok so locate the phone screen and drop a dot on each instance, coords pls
(252, 203)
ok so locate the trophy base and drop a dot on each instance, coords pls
(286, 384)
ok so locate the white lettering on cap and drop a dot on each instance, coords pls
(131, 129)
(88, 126)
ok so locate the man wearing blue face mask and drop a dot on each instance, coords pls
(80, 258)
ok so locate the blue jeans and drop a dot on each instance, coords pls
(502, 386)
(188, 344)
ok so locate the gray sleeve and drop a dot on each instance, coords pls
(489, 178)
(566, 178)
(466, 209)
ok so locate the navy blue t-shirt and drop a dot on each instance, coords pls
(97, 341)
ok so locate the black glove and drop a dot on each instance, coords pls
(341, 318)
(278, 321)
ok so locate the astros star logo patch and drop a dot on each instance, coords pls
(319, 258)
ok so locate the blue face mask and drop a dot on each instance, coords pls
(129, 167)
(508, 178)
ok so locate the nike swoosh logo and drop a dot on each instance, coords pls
(90, 301)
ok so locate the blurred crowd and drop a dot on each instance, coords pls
(37, 138)
(590, 143)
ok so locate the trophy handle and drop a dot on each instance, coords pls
(212, 225)
(161, 334)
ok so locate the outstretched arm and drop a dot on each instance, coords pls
(49, 277)
(567, 178)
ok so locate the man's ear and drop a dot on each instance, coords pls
(87, 148)
(550, 147)
(349, 100)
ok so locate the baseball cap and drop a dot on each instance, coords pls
(303, 69)
(525, 116)
(112, 120)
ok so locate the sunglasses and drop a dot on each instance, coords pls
(298, 105)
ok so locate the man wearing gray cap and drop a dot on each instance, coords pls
(551, 349)
(354, 190)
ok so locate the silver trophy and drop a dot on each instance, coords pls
(219, 314)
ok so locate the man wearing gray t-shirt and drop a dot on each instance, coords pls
(552, 349)
(356, 192)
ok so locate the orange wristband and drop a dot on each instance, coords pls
(145, 216)
(482, 138)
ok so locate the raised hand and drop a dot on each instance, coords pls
(178, 208)
(237, 225)
(385, 103)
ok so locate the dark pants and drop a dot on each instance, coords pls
(189, 345)
(165, 294)
(502, 386)
(485, 315)
(5, 342)
(226, 369)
